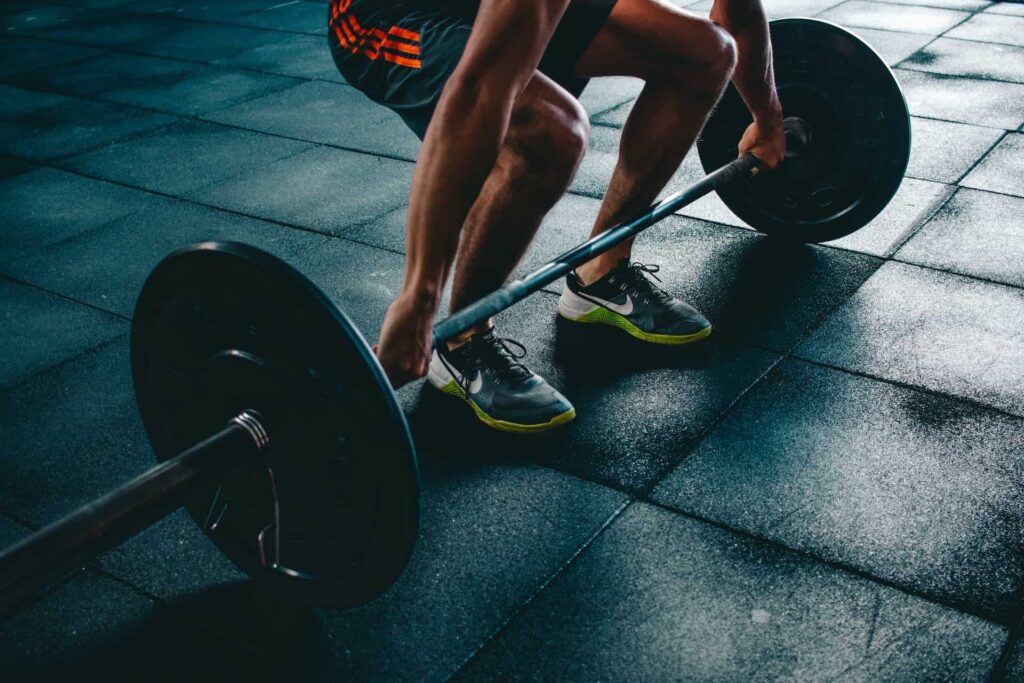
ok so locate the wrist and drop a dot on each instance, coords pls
(420, 299)
(771, 115)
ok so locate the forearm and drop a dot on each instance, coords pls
(754, 77)
(457, 155)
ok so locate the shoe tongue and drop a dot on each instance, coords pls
(506, 364)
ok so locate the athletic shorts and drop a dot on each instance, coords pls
(401, 54)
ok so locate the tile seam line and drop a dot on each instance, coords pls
(973, 77)
(644, 496)
(1017, 129)
(891, 258)
(64, 362)
(524, 605)
(950, 192)
(125, 50)
(60, 295)
(836, 565)
(1014, 636)
(274, 221)
(200, 118)
(644, 492)
(977, 162)
(94, 568)
(972, 12)
(907, 385)
(177, 17)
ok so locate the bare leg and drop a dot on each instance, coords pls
(546, 140)
(686, 62)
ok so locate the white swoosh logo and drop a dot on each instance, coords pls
(621, 309)
(476, 385)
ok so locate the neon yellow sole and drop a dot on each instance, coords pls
(453, 389)
(602, 316)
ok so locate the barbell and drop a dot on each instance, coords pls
(274, 424)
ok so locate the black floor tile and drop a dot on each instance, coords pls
(73, 127)
(116, 31)
(753, 289)
(362, 281)
(110, 72)
(41, 330)
(490, 536)
(106, 267)
(95, 628)
(44, 17)
(18, 55)
(298, 56)
(940, 331)
(185, 157)
(969, 59)
(943, 151)
(12, 167)
(387, 231)
(305, 17)
(174, 561)
(33, 218)
(166, 85)
(328, 113)
(602, 94)
(11, 531)
(892, 17)
(1009, 7)
(15, 102)
(911, 487)
(967, 100)
(915, 201)
(639, 409)
(976, 233)
(323, 189)
(1014, 670)
(893, 46)
(223, 12)
(1003, 169)
(70, 435)
(659, 597)
(991, 28)
(205, 42)
(964, 5)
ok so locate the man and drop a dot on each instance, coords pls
(497, 80)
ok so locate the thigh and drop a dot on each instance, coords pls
(649, 39)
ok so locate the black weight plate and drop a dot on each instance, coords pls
(222, 327)
(859, 144)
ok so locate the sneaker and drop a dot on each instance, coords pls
(486, 373)
(627, 298)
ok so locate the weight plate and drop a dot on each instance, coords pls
(329, 513)
(859, 136)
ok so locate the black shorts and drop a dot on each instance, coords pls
(402, 53)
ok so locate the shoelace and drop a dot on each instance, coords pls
(500, 357)
(636, 276)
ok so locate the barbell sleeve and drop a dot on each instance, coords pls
(102, 524)
(517, 290)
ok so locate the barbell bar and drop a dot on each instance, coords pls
(309, 482)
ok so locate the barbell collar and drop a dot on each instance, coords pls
(67, 544)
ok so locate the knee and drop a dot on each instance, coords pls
(550, 140)
(718, 60)
(723, 52)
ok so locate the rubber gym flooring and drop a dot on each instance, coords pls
(831, 489)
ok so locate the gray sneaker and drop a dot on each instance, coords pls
(626, 298)
(486, 373)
